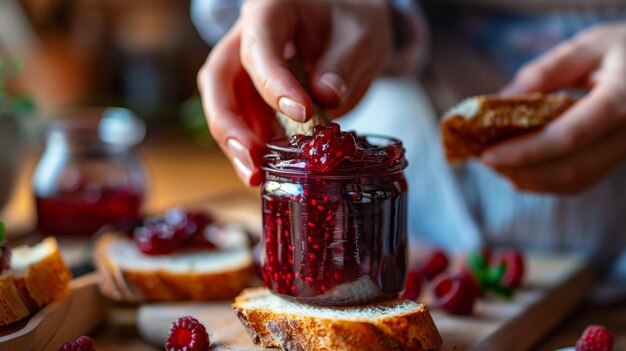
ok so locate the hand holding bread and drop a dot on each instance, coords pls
(586, 142)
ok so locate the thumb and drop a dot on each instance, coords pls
(559, 68)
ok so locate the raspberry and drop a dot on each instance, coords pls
(435, 264)
(472, 283)
(326, 147)
(187, 334)
(83, 343)
(155, 238)
(413, 286)
(595, 338)
(514, 262)
(455, 294)
(175, 229)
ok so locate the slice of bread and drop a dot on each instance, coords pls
(273, 321)
(126, 274)
(38, 276)
(479, 122)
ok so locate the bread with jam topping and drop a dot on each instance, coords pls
(479, 122)
(272, 321)
(127, 274)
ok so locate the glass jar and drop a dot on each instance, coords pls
(336, 237)
(88, 175)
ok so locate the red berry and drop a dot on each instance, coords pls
(187, 334)
(595, 338)
(175, 229)
(83, 343)
(193, 229)
(514, 262)
(455, 294)
(472, 283)
(435, 264)
(413, 285)
(155, 238)
(326, 147)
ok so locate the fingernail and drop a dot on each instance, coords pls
(292, 109)
(336, 83)
(243, 171)
(238, 151)
(511, 90)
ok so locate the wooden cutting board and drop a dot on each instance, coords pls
(553, 287)
(60, 321)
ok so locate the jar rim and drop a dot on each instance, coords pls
(370, 163)
(90, 127)
(393, 142)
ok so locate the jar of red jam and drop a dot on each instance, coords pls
(89, 175)
(334, 217)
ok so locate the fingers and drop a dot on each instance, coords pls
(560, 67)
(270, 26)
(353, 57)
(575, 173)
(589, 120)
(241, 143)
(585, 122)
(587, 141)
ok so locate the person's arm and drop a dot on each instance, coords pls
(589, 140)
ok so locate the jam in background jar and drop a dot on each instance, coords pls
(88, 175)
(334, 216)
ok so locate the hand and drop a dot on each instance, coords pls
(589, 140)
(346, 42)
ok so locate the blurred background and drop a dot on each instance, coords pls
(58, 57)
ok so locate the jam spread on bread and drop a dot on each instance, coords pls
(174, 230)
(334, 216)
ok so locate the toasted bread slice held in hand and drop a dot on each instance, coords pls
(273, 321)
(38, 276)
(479, 122)
(126, 274)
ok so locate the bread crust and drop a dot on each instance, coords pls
(130, 285)
(12, 307)
(497, 119)
(413, 331)
(39, 284)
(48, 279)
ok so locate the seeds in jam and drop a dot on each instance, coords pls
(332, 239)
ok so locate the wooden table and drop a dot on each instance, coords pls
(207, 173)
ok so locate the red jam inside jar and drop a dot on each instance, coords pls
(89, 174)
(334, 217)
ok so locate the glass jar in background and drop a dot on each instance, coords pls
(89, 175)
(336, 237)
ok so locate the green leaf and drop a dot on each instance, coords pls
(477, 262)
(495, 274)
(502, 290)
(2, 232)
